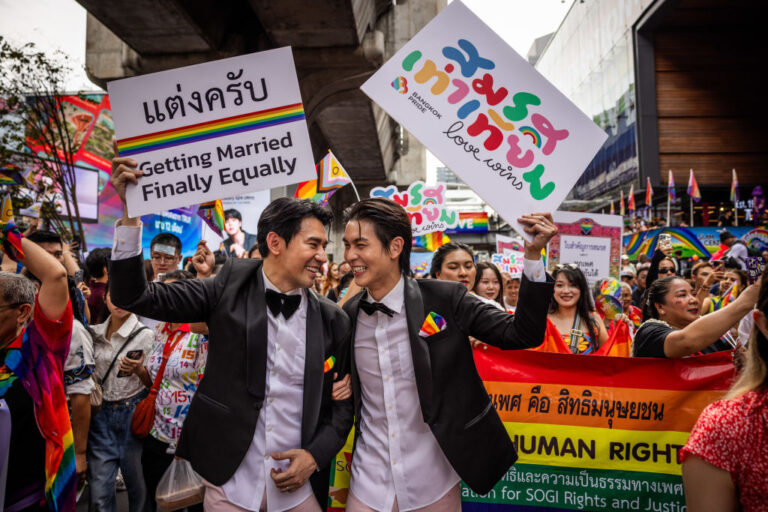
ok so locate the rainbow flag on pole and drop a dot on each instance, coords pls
(631, 199)
(734, 186)
(693, 188)
(648, 192)
(613, 210)
(671, 196)
(621, 203)
(331, 174)
(212, 213)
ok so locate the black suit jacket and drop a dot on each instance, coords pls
(454, 402)
(222, 417)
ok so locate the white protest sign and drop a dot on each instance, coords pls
(590, 240)
(424, 205)
(487, 114)
(510, 262)
(212, 130)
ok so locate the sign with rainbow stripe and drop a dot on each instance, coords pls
(487, 114)
(212, 130)
(592, 433)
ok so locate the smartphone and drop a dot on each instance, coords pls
(665, 240)
(131, 354)
(78, 276)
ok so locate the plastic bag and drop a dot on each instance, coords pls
(180, 487)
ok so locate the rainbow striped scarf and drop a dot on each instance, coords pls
(37, 359)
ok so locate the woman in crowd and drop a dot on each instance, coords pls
(725, 460)
(572, 313)
(110, 443)
(511, 291)
(732, 282)
(186, 353)
(672, 326)
(487, 284)
(331, 281)
(454, 261)
(631, 315)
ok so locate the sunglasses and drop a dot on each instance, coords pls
(666, 271)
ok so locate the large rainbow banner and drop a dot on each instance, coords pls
(593, 433)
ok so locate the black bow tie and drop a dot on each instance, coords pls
(371, 307)
(282, 303)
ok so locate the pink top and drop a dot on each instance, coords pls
(733, 435)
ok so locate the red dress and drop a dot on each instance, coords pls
(733, 435)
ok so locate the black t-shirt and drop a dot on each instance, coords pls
(26, 454)
(649, 341)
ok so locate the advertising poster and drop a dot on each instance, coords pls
(487, 114)
(212, 130)
(590, 240)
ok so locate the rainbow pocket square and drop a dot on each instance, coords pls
(433, 324)
(329, 363)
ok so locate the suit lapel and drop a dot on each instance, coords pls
(414, 312)
(354, 310)
(256, 337)
(313, 368)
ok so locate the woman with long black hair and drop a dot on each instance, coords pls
(572, 313)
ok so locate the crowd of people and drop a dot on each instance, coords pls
(254, 361)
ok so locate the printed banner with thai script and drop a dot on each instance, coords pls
(212, 130)
(487, 114)
(593, 433)
(590, 240)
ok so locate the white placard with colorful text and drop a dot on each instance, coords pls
(487, 114)
(212, 130)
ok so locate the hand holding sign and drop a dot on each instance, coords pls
(124, 172)
(541, 228)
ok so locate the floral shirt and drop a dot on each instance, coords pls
(180, 379)
(733, 435)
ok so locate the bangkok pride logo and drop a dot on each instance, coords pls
(400, 84)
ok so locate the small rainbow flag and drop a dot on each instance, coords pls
(648, 192)
(212, 213)
(613, 210)
(10, 174)
(631, 199)
(331, 174)
(693, 188)
(431, 241)
(329, 364)
(308, 190)
(671, 196)
(734, 186)
(433, 324)
(210, 129)
(621, 203)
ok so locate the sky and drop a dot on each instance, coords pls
(60, 25)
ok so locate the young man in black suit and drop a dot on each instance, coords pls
(423, 417)
(262, 420)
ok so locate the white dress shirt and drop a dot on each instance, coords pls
(279, 426)
(397, 456)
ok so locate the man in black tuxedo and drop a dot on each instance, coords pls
(263, 419)
(423, 417)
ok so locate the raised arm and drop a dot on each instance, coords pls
(54, 293)
(701, 333)
(526, 328)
